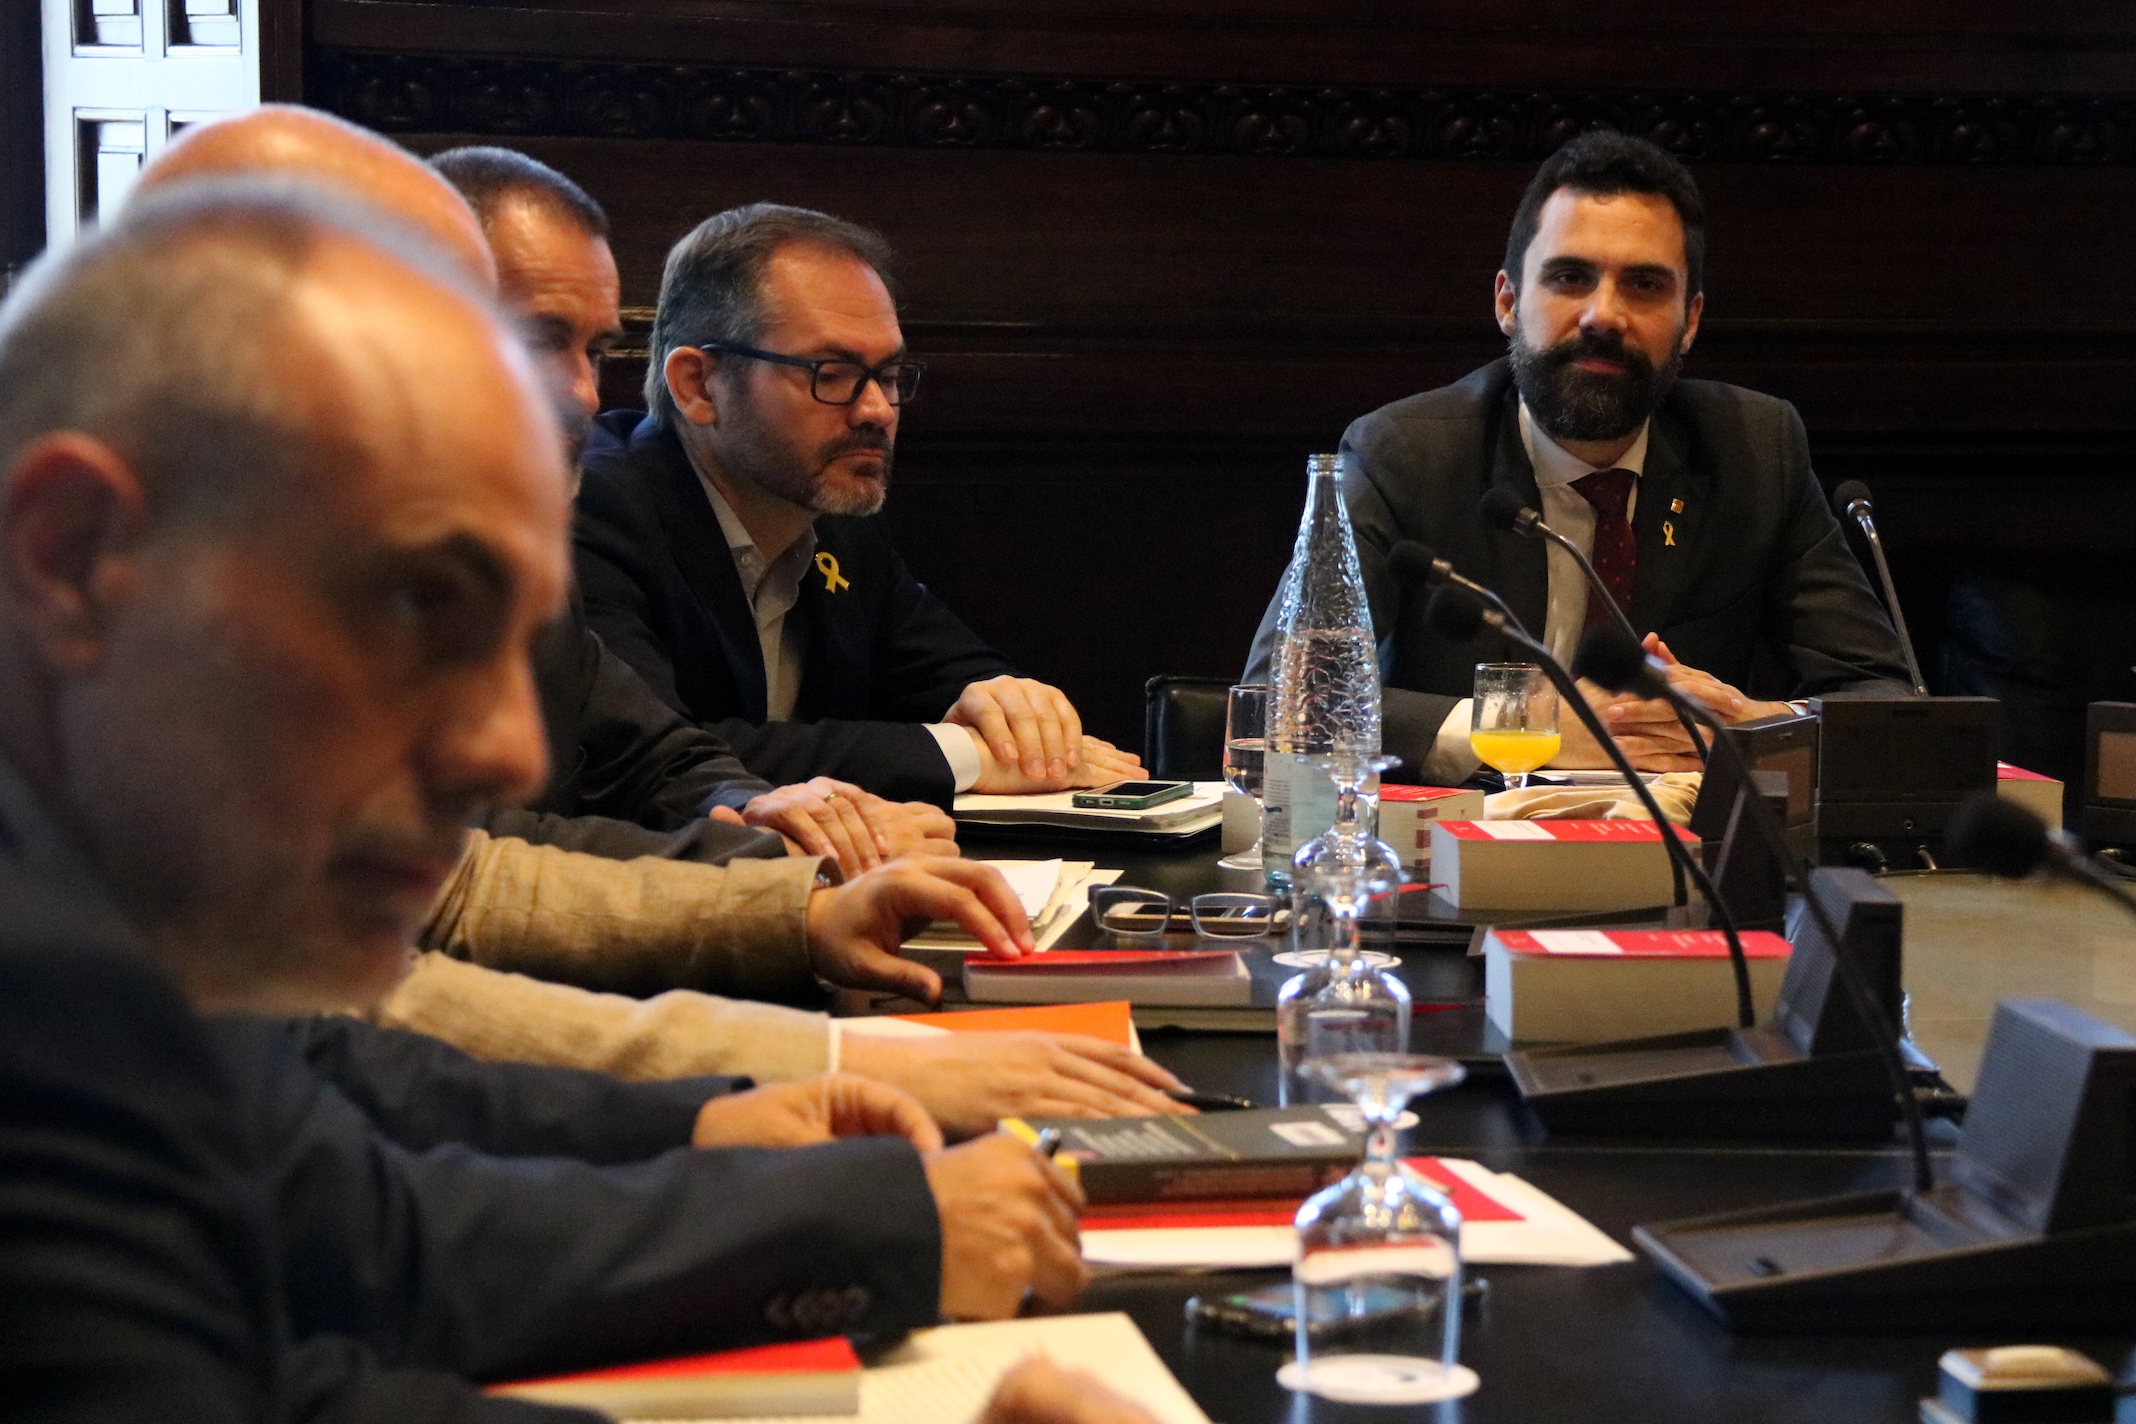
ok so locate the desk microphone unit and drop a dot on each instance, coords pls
(1780, 750)
(1891, 771)
(2034, 1227)
(2108, 816)
(1812, 1070)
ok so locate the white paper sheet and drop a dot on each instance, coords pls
(946, 1375)
(1548, 1234)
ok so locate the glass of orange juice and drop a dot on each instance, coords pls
(1514, 726)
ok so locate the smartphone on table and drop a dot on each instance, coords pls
(1130, 795)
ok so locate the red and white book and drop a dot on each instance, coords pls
(799, 1377)
(1167, 978)
(2041, 795)
(1406, 814)
(1553, 865)
(1505, 1221)
(1593, 986)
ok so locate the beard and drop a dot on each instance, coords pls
(1572, 404)
(767, 458)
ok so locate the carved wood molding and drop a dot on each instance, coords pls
(417, 93)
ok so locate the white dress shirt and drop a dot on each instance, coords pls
(773, 587)
(1566, 510)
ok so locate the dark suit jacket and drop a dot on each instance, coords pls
(661, 589)
(627, 775)
(1758, 588)
(249, 1220)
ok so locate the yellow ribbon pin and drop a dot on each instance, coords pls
(827, 564)
(1668, 535)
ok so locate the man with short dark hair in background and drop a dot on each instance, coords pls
(266, 596)
(729, 548)
(1695, 499)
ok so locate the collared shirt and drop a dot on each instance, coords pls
(1566, 510)
(773, 587)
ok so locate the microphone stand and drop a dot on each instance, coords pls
(1775, 837)
(1863, 515)
(1680, 859)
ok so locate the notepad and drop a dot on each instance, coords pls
(946, 1375)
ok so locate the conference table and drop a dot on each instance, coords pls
(1620, 1343)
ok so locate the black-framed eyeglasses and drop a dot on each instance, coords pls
(838, 382)
(1123, 909)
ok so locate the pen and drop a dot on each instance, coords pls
(1209, 1102)
(1049, 1142)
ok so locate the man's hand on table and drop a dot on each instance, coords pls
(1708, 691)
(1030, 739)
(970, 1081)
(1101, 764)
(1008, 1226)
(813, 1111)
(1038, 1391)
(1646, 730)
(855, 828)
(854, 929)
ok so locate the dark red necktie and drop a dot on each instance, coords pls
(1615, 553)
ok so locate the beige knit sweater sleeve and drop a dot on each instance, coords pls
(511, 1018)
(628, 926)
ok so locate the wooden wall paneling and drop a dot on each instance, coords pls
(1144, 302)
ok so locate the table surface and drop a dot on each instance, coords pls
(1620, 1343)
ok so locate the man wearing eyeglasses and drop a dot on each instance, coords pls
(728, 547)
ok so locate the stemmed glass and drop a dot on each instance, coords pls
(1381, 1247)
(1344, 1003)
(1513, 728)
(1245, 754)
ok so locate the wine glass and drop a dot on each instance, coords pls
(1344, 1003)
(1245, 754)
(1381, 1247)
(1514, 725)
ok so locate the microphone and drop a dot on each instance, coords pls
(1420, 563)
(1457, 613)
(1502, 510)
(2001, 837)
(1852, 500)
(1610, 658)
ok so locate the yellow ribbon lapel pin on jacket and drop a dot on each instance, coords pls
(827, 565)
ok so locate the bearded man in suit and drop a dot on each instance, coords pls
(1695, 499)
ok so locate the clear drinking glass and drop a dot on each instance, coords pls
(1344, 1003)
(1245, 755)
(1514, 725)
(1381, 1247)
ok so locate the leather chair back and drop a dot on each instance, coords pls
(1183, 728)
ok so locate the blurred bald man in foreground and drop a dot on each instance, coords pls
(759, 929)
(265, 605)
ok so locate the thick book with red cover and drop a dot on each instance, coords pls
(1406, 814)
(1553, 865)
(1593, 986)
(800, 1377)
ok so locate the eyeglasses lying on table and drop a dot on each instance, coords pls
(1123, 909)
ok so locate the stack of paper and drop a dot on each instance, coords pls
(946, 1375)
(1054, 893)
(1505, 1222)
(1190, 815)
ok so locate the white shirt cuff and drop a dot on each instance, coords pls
(959, 751)
(1452, 760)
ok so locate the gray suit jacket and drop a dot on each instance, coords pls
(1752, 582)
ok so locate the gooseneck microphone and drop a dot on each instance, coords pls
(2001, 837)
(1502, 510)
(1456, 612)
(1609, 658)
(1420, 563)
(1852, 500)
